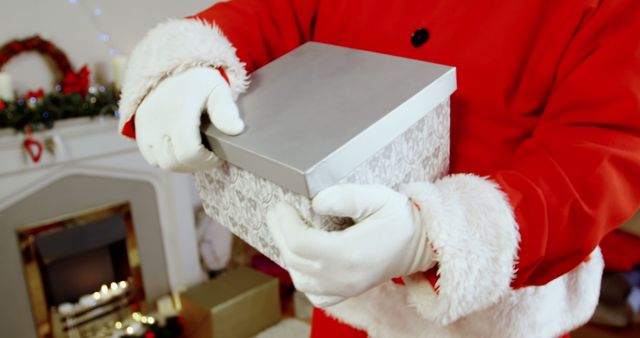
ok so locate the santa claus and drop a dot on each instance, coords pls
(545, 156)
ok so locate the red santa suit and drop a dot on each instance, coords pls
(547, 108)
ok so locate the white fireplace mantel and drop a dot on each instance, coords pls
(93, 147)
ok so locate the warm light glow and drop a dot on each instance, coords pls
(118, 325)
(104, 288)
(96, 295)
(123, 284)
(114, 286)
(151, 320)
(136, 316)
(129, 330)
(143, 320)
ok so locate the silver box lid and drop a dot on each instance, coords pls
(316, 113)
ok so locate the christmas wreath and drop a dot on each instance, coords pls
(72, 95)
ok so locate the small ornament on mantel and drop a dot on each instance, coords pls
(32, 147)
(54, 145)
(45, 143)
(50, 145)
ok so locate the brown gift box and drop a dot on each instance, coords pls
(238, 304)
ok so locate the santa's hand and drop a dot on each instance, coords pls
(388, 240)
(168, 119)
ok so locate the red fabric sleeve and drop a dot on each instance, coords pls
(323, 326)
(621, 251)
(263, 30)
(578, 176)
(129, 128)
(260, 30)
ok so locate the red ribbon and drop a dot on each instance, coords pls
(76, 82)
(32, 147)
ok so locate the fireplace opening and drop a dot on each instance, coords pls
(82, 270)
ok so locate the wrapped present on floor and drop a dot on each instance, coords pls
(323, 115)
(238, 304)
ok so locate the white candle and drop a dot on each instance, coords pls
(119, 64)
(65, 308)
(88, 301)
(123, 284)
(6, 90)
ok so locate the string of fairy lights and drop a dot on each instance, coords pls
(94, 12)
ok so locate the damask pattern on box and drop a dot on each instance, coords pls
(240, 200)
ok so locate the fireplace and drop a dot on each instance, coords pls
(82, 270)
(96, 176)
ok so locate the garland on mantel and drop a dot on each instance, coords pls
(40, 111)
(71, 97)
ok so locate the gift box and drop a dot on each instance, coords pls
(323, 115)
(238, 304)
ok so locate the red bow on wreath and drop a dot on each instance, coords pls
(76, 82)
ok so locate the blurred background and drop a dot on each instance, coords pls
(91, 32)
(94, 242)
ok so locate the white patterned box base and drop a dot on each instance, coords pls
(240, 200)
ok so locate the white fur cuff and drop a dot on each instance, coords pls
(471, 226)
(172, 47)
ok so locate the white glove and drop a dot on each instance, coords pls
(168, 120)
(387, 241)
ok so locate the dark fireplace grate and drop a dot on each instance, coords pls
(82, 271)
(77, 260)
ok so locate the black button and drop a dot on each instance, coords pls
(419, 37)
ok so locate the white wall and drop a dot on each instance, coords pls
(71, 25)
